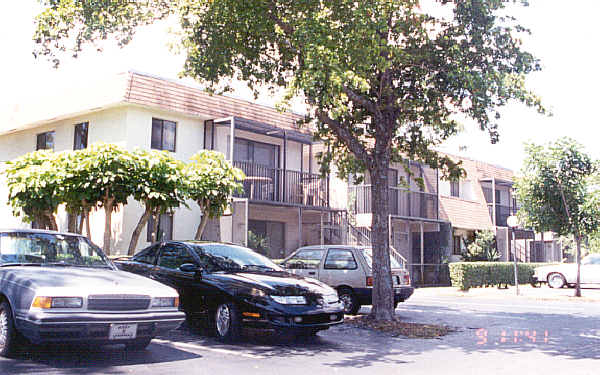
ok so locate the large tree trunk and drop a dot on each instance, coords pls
(135, 236)
(383, 293)
(578, 256)
(203, 222)
(72, 223)
(108, 208)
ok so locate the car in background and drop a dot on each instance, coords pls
(235, 287)
(565, 274)
(58, 287)
(349, 270)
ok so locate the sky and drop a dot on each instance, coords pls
(564, 37)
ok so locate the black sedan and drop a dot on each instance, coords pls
(58, 287)
(234, 286)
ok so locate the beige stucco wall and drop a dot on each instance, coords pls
(127, 126)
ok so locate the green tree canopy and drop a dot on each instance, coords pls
(556, 194)
(384, 81)
(211, 181)
(33, 187)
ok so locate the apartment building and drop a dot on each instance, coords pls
(284, 199)
(484, 200)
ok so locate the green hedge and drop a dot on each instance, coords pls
(465, 275)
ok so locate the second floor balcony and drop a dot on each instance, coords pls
(403, 202)
(277, 185)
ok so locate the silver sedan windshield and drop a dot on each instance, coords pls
(49, 250)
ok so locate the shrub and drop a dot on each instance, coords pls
(482, 248)
(466, 275)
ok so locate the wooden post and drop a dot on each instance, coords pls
(285, 192)
(322, 234)
(422, 254)
(494, 200)
(299, 226)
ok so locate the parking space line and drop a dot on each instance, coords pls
(185, 345)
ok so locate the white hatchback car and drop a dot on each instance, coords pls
(349, 270)
(559, 275)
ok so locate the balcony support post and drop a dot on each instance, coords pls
(310, 157)
(321, 228)
(299, 226)
(285, 192)
(422, 253)
(494, 200)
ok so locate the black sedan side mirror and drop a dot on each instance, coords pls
(189, 267)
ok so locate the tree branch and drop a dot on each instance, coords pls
(286, 27)
(355, 146)
(362, 101)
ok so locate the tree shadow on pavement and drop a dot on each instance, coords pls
(569, 336)
(84, 359)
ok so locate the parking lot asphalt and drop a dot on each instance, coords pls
(493, 336)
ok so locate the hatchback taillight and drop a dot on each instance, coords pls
(369, 280)
(406, 279)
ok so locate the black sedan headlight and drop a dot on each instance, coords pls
(290, 300)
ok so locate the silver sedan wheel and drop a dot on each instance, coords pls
(3, 328)
(223, 320)
(556, 280)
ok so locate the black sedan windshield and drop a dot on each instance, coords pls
(217, 257)
(49, 250)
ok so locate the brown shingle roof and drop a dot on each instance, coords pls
(171, 95)
(474, 214)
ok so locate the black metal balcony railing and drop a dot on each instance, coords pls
(276, 185)
(402, 202)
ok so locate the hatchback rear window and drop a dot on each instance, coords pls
(369, 258)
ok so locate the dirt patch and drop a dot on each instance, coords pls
(399, 328)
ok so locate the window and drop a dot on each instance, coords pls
(163, 135)
(174, 255)
(455, 189)
(81, 136)
(256, 152)
(45, 141)
(339, 259)
(209, 135)
(147, 256)
(305, 259)
(165, 228)
(457, 248)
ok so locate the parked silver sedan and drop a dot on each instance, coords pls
(57, 287)
(560, 275)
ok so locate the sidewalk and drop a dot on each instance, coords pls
(544, 293)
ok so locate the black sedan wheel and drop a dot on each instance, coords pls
(348, 298)
(227, 322)
(8, 333)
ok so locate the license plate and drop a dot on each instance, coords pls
(122, 331)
